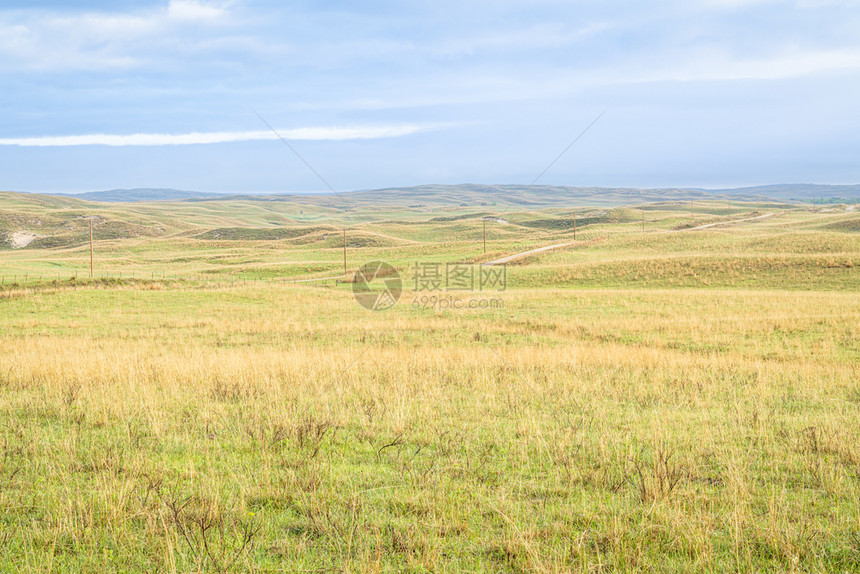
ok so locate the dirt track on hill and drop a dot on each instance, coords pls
(509, 258)
(707, 225)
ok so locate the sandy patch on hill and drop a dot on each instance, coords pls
(21, 239)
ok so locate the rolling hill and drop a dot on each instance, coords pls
(468, 194)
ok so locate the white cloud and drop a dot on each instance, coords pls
(195, 10)
(793, 64)
(31, 39)
(545, 36)
(307, 134)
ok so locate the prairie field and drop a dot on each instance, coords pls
(650, 397)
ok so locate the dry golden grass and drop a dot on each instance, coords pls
(643, 401)
(284, 428)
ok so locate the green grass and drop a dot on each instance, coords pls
(448, 442)
(642, 401)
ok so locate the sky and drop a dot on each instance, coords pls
(194, 94)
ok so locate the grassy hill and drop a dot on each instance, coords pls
(141, 194)
(649, 396)
(637, 246)
(800, 192)
(496, 195)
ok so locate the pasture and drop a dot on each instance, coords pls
(647, 398)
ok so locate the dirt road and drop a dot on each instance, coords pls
(707, 225)
(509, 258)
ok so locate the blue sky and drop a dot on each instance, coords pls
(704, 93)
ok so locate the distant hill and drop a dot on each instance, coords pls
(140, 194)
(469, 194)
(799, 191)
(519, 196)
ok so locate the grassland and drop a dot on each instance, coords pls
(644, 400)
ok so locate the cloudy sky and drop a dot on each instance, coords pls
(166, 93)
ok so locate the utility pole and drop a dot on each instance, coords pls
(485, 235)
(344, 250)
(91, 247)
